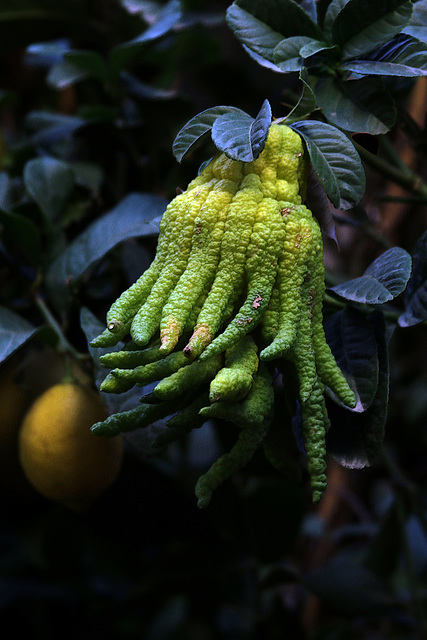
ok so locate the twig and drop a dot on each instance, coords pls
(64, 345)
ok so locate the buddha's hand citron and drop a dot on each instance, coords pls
(238, 253)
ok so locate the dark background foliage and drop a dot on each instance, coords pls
(87, 124)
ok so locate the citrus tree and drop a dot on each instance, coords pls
(273, 311)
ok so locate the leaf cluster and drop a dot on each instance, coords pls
(346, 52)
(83, 185)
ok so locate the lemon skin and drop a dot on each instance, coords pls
(60, 456)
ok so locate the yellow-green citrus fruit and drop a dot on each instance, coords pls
(60, 456)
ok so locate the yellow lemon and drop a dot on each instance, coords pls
(60, 456)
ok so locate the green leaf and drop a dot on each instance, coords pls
(252, 32)
(286, 55)
(21, 233)
(307, 102)
(404, 57)
(417, 25)
(416, 291)
(46, 54)
(313, 47)
(144, 91)
(166, 19)
(383, 280)
(51, 127)
(91, 62)
(354, 439)
(145, 9)
(87, 175)
(15, 331)
(334, 8)
(320, 206)
(136, 216)
(358, 105)
(74, 66)
(352, 341)
(7, 192)
(310, 8)
(263, 62)
(363, 25)
(49, 182)
(64, 74)
(241, 137)
(371, 68)
(197, 127)
(262, 25)
(335, 161)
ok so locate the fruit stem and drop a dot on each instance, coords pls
(64, 346)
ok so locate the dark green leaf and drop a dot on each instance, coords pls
(138, 215)
(91, 62)
(318, 203)
(241, 137)
(313, 47)
(198, 127)
(7, 192)
(144, 91)
(46, 54)
(307, 102)
(309, 7)
(382, 281)
(252, 32)
(87, 175)
(334, 8)
(416, 291)
(49, 182)
(21, 232)
(352, 340)
(286, 55)
(359, 105)
(262, 25)
(335, 161)
(354, 439)
(15, 331)
(404, 56)
(166, 19)
(417, 25)
(52, 127)
(74, 66)
(263, 62)
(64, 74)
(371, 68)
(146, 10)
(363, 25)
